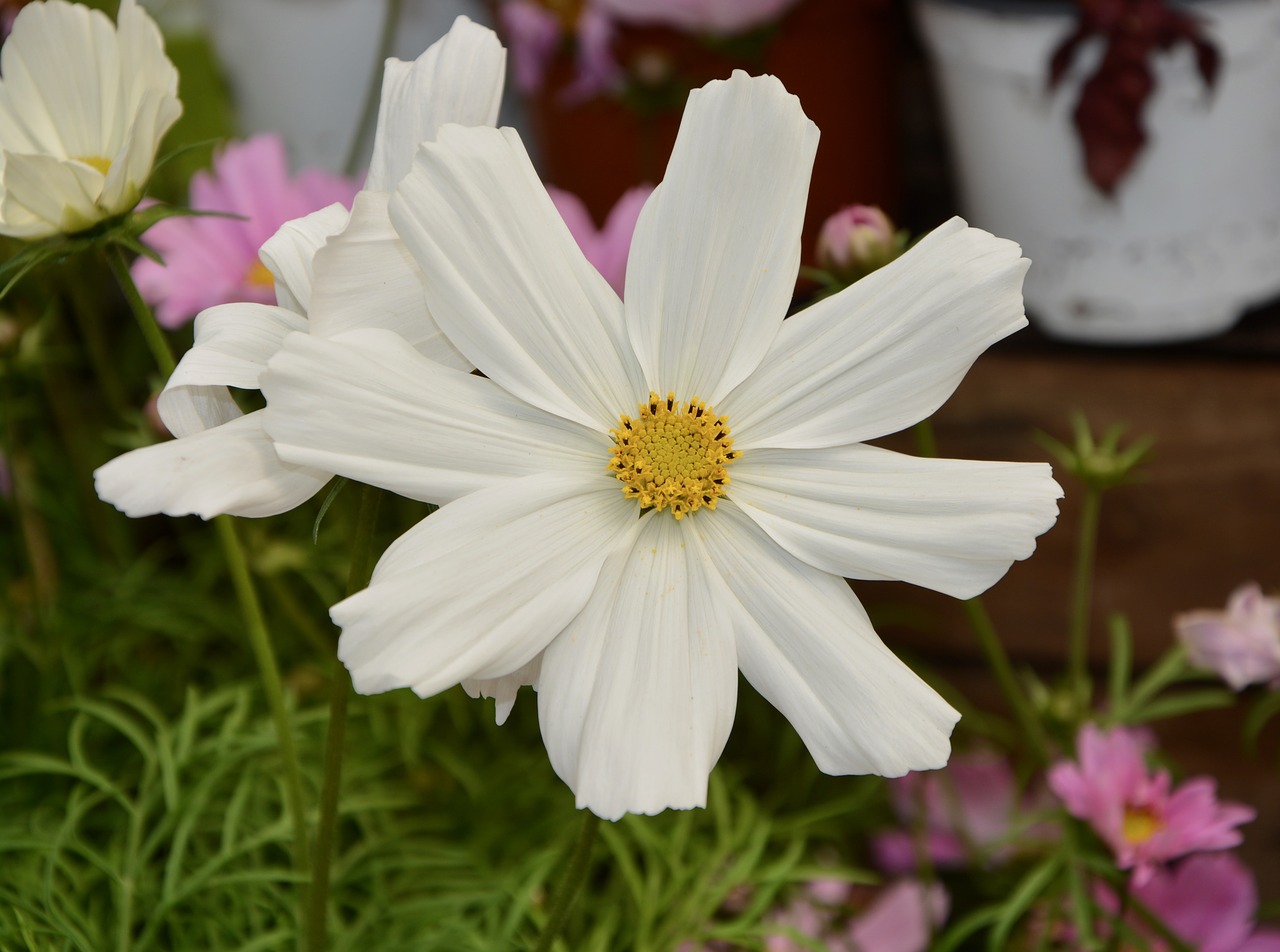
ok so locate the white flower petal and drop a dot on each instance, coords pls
(806, 644)
(478, 589)
(505, 689)
(45, 196)
(232, 344)
(229, 469)
(887, 351)
(713, 262)
(858, 511)
(290, 254)
(365, 277)
(367, 405)
(636, 697)
(458, 79)
(508, 284)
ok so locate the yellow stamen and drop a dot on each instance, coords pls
(258, 276)
(673, 455)
(1140, 824)
(97, 161)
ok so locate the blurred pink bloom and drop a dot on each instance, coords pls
(606, 248)
(857, 240)
(1210, 901)
(1241, 644)
(210, 260)
(899, 918)
(534, 33)
(699, 16)
(969, 808)
(1135, 811)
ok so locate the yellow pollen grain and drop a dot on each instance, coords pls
(259, 276)
(1140, 824)
(673, 455)
(97, 161)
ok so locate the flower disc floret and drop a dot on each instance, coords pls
(673, 455)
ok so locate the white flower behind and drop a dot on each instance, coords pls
(83, 107)
(333, 272)
(630, 550)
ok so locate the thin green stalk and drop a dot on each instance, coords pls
(151, 331)
(272, 687)
(1082, 595)
(242, 580)
(574, 876)
(340, 693)
(95, 343)
(998, 659)
(926, 442)
(373, 95)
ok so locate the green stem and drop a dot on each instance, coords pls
(1082, 597)
(272, 687)
(998, 659)
(340, 693)
(926, 442)
(90, 328)
(373, 95)
(151, 331)
(574, 876)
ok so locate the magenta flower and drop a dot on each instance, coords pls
(606, 248)
(534, 33)
(857, 240)
(898, 918)
(1209, 901)
(1137, 812)
(210, 260)
(1241, 644)
(969, 807)
(699, 16)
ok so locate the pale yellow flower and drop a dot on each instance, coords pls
(83, 107)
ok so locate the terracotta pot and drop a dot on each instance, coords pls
(840, 57)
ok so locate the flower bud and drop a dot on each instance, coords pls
(856, 240)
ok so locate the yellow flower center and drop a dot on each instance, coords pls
(259, 276)
(1140, 824)
(97, 161)
(673, 455)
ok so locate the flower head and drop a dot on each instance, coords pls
(858, 239)
(83, 107)
(536, 29)
(606, 248)
(1242, 644)
(1210, 902)
(969, 809)
(741, 497)
(1137, 812)
(898, 918)
(214, 260)
(699, 16)
(222, 461)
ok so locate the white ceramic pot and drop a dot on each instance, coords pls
(302, 67)
(1191, 237)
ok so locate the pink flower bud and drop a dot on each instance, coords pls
(856, 240)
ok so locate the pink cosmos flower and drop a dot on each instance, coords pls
(699, 16)
(1137, 812)
(606, 248)
(969, 807)
(210, 260)
(1210, 901)
(534, 33)
(899, 918)
(1241, 644)
(857, 240)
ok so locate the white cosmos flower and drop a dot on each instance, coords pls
(222, 461)
(545, 564)
(83, 107)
